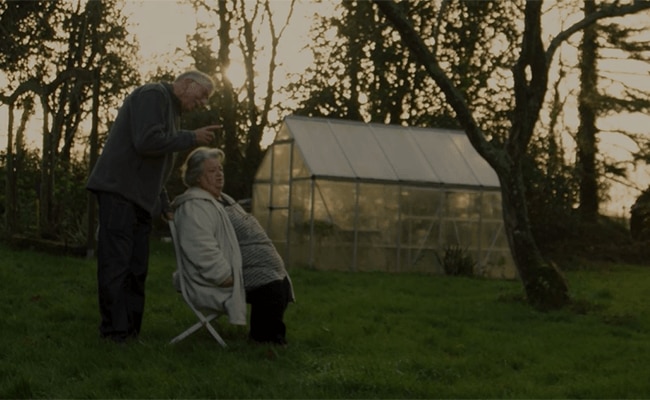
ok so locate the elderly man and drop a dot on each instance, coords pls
(128, 180)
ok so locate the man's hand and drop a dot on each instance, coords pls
(205, 135)
(167, 216)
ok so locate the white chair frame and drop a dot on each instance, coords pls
(204, 320)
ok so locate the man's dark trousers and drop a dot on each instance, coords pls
(122, 264)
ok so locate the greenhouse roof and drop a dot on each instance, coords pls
(356, 150)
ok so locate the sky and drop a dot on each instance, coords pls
(162, 26)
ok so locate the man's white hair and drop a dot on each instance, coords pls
(199, 77)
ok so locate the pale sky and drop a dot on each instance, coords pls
(162, 26)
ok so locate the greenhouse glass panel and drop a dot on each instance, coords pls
(416, 201)
(364, 154)
(493, 235)
(264, 170)
(491, 206)
(420, 225)
(425, 260)
(404, 155)
(377, 214)
(448, 163)
(299, 169)
(462, 205)
(376, 259)
(281, 162)
(335, 203)
(277, 229)
(460, 233)
(480, 168)
(261, 194)
(420, 233)
(280, 196)
(299, 254)
(321, 152)
(301, 206)
(339, 257)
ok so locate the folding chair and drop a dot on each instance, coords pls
(203, 319)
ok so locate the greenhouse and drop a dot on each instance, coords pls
(344, 195)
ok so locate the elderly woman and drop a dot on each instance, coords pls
(267, 283)
(210, 252)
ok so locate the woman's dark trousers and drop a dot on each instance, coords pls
(268, 304)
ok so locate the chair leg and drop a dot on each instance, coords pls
(187, 333)
(204, 321)
(215, 335)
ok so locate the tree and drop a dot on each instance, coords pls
(544, 285)
(254, 29)
(23, 36)
(56, 54)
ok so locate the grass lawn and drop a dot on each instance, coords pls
(351, 335)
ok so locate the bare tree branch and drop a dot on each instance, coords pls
(609, 11)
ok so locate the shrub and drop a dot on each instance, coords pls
(456, 261)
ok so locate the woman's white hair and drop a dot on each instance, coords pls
(192, 168)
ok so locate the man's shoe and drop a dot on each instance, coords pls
(118, 339)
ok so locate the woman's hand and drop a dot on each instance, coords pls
(227, 283)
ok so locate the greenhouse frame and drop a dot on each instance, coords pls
(346, 195)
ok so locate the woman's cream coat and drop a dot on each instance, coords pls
(210, 254)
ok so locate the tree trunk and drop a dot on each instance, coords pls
(545, 287)
(10, 188)
(587, 148)
(46, 187)
(94, 154)
(15, 162)
(228, 102)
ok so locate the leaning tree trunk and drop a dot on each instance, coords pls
(544, 285)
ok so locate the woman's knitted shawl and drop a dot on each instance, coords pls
(261, 262)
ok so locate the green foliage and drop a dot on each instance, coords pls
(551, 193)
(640, 218)
(23, 31)
(70, 198)
(456, 261)
(321, 228)
(351, 335)
(27, 184)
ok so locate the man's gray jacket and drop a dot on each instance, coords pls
(138, 155)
